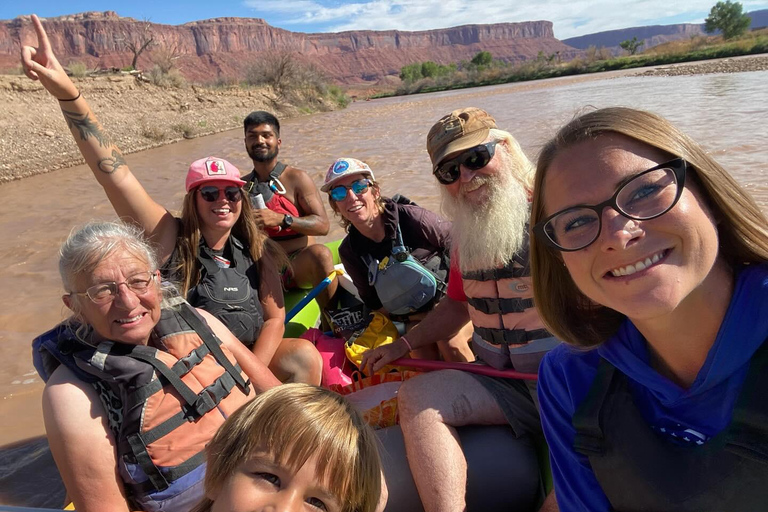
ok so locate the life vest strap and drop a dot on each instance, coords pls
(214, 345)
(187, 394)
(139, 450)
(510, 337)
(497, 274)
(491, 306)
(180, 368)
(590, 438)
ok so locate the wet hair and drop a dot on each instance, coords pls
(261, 117)
(245, 230)
(293, 423)
(378, 201)
(741, 226)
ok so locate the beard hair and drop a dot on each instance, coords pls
(261, 157)
(489, 234)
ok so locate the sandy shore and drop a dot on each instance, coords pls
(34, 137)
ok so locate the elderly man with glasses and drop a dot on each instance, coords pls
(486, 183)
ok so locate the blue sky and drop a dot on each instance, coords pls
(570, 17)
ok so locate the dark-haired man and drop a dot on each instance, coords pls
(292, 210)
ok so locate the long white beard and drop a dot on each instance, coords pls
(491, 233)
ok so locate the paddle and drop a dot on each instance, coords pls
(429, 365)
(322, 285)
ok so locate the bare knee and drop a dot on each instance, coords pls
(428, 394)
(321, 257)
(299, 363)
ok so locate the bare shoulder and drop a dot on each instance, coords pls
(297, 178)
(68, 405)
(66, 396)
(81, 443)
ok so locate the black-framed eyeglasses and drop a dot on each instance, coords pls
(211, 193)
(475, 158)
(339, 193)
(103, 293)
(645, 196)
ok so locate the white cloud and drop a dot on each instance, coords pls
(570, 17)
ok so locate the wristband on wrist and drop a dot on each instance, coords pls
(407, 344)
(70, 99)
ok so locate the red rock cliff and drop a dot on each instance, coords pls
(223, 47)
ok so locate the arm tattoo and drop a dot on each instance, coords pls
(86, 127)
(112, 163)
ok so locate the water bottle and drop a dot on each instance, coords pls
(258, 201)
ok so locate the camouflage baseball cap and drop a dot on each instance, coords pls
(461, 129)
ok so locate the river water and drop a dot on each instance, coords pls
(726, 113)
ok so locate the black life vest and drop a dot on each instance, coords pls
(639, 471)
(227, 293)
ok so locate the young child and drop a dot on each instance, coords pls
(295, 447)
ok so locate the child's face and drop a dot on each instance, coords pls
(261, 484)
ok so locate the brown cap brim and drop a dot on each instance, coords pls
(468, 141)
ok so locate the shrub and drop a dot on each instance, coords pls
(170, 79)
(152, 131)
(186, 130)
(293, 79)
(78, 69)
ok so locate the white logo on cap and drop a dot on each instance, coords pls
(215, 167)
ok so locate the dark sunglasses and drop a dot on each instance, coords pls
(357, 187)
(475, 158)
(211, 193)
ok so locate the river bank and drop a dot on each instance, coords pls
(34, 138)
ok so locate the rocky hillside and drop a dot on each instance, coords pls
(652, 35)
(223, 47)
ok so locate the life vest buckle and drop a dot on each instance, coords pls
(202, 405)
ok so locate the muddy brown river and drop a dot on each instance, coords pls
(727, 113)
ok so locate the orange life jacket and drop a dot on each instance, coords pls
(173, 395)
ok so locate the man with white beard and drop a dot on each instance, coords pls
(486, 182)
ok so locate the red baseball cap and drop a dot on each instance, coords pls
(212, 169)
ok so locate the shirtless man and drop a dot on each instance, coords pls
(294, 212)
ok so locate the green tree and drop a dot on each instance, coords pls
(411, 72)
(631, 45)
(729, 18)
(429, 69)
(482, 59)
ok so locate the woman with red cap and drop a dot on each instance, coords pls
(221, 261)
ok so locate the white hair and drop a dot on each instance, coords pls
(491, 233)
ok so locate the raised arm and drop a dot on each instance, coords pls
(128, 197)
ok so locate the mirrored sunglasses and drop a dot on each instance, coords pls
(474, 159)
(211, 194)
(358, 187)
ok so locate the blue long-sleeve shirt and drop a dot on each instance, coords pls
(689, 416)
